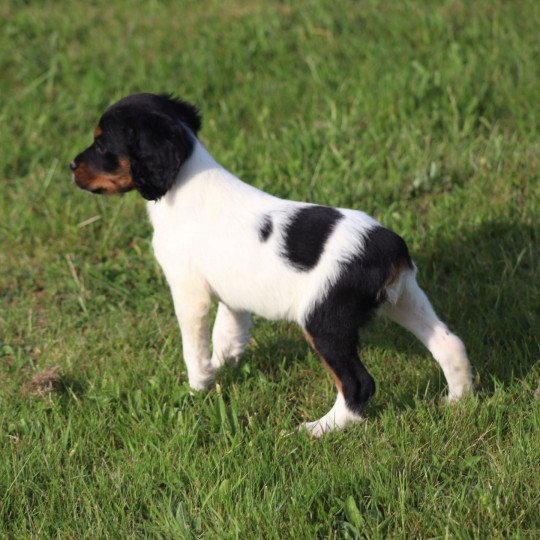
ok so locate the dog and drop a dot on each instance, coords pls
(217, 238)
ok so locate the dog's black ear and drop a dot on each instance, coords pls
(158, 146)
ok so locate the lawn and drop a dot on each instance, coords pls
(424, 114)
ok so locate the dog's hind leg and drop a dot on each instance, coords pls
(229, 336)
(334, 336)
(412, 310)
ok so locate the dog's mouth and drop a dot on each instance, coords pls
(99, 182)
(87, 184)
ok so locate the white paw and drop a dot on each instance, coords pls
(315, 429)
(219, 360)
(455, 395)
(201, 383)
(329, 423)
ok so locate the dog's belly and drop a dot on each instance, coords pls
(272, 295)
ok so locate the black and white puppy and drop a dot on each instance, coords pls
(328, 269)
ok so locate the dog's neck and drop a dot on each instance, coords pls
(201, 183)
(204, 189)
(199, 169)
(200, 162)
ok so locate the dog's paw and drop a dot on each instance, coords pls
(217, 361)
(201, 383)
(220, 360)
(467, 390)
(452, 399)
(318, 428)
(313, 429)
(329, 423)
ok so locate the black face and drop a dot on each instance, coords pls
(140, 143)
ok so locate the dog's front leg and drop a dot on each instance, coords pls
(229, 336)
(192, 301)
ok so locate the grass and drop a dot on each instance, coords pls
(424, 114)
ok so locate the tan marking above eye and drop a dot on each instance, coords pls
(98, 132)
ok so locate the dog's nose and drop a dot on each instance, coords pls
(72, 165)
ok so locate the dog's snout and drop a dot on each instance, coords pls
(72, 165)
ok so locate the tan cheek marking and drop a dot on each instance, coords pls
(102, 183)
(110, 183)
(122, 177)
(87, 179)
(325, 363)
(98, 132)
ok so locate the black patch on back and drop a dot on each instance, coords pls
(349, 304)
(306, 235)
(266, 228)
(361, 280)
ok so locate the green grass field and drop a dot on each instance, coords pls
(424, 114)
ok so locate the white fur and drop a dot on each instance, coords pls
(337, 417)
(413, 311)
(205, 238)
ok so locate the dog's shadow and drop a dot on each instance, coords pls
(483, 282)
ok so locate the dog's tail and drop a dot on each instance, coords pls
(389, 265)
(401, 276)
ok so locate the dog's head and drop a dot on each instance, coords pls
(140, 143)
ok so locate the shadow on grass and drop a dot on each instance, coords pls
(70, 386)
(271, 356)
(484, 283)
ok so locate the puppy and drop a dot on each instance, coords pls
(327, 269)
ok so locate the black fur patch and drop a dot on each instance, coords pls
(306, 235)
(349, 304)
(158, 147)
(165, 104)
(266, 228)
